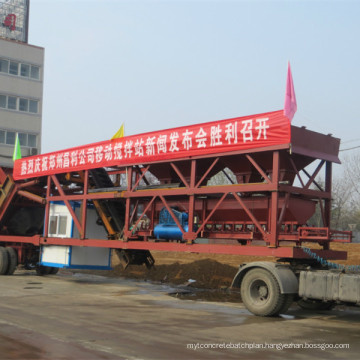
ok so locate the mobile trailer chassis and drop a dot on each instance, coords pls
(260, 211)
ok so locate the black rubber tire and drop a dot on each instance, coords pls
(289, 299)
(42, 270)
(4, 260)
(53, 270)
(314, 305)
(12, 260)
(260, 293)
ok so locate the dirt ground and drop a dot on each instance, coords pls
(65, 317)
(204, 271)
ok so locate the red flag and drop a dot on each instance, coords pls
(290, 106)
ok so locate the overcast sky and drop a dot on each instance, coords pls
(161, 64)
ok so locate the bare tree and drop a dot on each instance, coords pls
(345, 209)
(352, 174)
(346, 196)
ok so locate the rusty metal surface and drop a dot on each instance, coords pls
(261, 205)
(314, 144)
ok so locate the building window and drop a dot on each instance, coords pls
(31, 140)
(58, 224)
(23, 139)
(3, 101)
(12, 103)
(23, 104)
(4, 66)
(35, 72)
(26, 140)
(26, 70)
(62, 225)
(14, 68)
(10, 138)
(33, 106)
(53, 225)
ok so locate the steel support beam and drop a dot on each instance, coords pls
(191, 235)
(67, 203)
(274, 228)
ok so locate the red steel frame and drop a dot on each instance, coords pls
(270, 236)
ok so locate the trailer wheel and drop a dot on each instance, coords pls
(314, 305)
(4, 260)
(53, 270)
(12, 260)
(289, 299)
(260, 293)
(42, 270)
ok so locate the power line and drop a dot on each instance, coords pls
(352, 148)
(349, 141)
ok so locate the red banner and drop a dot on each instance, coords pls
(242, 133)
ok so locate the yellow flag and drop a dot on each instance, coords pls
(119, 133)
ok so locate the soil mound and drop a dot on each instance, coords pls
(210, 271)
(204, 273)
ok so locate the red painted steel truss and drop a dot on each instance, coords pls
(255, 210)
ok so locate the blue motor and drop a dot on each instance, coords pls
(167, 228)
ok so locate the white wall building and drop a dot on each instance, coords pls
(21, 85)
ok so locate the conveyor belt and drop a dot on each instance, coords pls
(112, 212)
